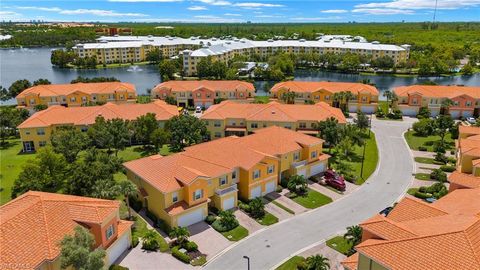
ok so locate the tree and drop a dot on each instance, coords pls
(329, 131)
(383, 62)
(424, 127)
(61, 58)
(99, 134)
(40, 107)
(167, 70)
(442, 124)
(159, 138)
(288, 97)
(353, 235)
(18, 86)
(227, 220)
(297, 184)
(257, 208)
(317, 262)
(467, 69)
(445, 106)
(218, 70)
(154, 56)
(185, 130)
(345, 148)
(41, 82)
(10, 118)
(204, 67)
(119, 134)
(79, 252)
(362, 120)
(171, 100)
(150, 240)
(4, 94)
(47, 172)
(389, 95)
(69, 141)
(128, 189)
(143, 128)
(424, 112)
(181, 235)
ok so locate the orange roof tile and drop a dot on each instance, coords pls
(351, 262)
(470, 130)
(32, 225)
(333, 87)
(464, 179)
(87, 88)
(273, 111)
(412, 208)
(59, 115)
(220, 86)
(439, 91)
(470, 146)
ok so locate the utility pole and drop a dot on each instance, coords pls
(248, 261)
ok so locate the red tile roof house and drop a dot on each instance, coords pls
(203, 93)
(32, 225)
(467, 174)
(466, 99)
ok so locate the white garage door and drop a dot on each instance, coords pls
(302, 171)
(455, 114)
(467, 113)
(228, 203)
(434, 112)
(409, 111)
(208, 104)
(316, 169)
(368, 109)
(118, 247)
(270, 187)
(352, 108)
(191, 218)
(256, 192)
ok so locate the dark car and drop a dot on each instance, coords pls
(334, 180)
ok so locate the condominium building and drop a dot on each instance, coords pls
(364, 97)
(203, 93)
(467, 174)
(466, 99)
(420, 235)
(127, 49)
(33, 225)
(180, 187)
(76, 94)
(232, 118)
(35, 132)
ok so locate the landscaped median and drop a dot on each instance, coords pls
(426, 143)
(255, 209)
(227, 224)
(311, 199)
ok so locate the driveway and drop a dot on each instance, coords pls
(386, 185)
(209, 241)
(139, 259)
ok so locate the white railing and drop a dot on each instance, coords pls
(299, 163)
(223, 191)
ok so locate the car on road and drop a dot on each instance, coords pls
(334, 180)
(198, 109)
(471, 120)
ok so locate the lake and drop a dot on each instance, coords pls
(34, 63)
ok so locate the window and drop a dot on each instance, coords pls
(270, 169)
(314, 154)
(42, 143)
(73, 99)
(198, 194)
(27, 132)
(217, 124)
(109, 232)
(218, 135)
(254, 125)
(296, 156)
(288, 126)
(40, 131)
(234, 175)
(84, 129)
(302, 125)
(468, 103)
(199, 95)
(175, 197)
(222, 181)
(256, 174)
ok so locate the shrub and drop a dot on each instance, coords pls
(452, 152)
(117, 267)
(162, 225)
(452, 160)
(151, 216)
(423, 112)
(438, 175)
(227, 220)
(134, 241)
(150, 240)
(350, 178)
(191, 246)
(422, 195)
(179, 255)
(257, 208)
(243, 206)
(220, 228)
(135, 204)
(210, 219)
(422, 148)
(440, 157)
(279, 189)
(447, 168)
(380, 113)
(424, 127)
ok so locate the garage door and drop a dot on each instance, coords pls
(467, 113)
(316, 169)
(256, 192)
(208, 104)
(270, 187)
(191, 218)
(368, 109)
(118, 247)
(409, 111)
(228, 203)
(352, 108)
(455, 114)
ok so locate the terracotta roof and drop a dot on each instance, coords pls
(351, 262)
(59, 115)
(87, 88)
(470, 146)
(220, 86)
(333, 87)
(439, 91)
(218, 157)
(469, 130)
(464, 179)
(33, 224)
(417, 235)
(273, 111)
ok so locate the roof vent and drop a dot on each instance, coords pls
(273, 112)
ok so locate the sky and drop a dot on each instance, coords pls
(216, 11)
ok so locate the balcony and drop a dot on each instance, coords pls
(434, 105)
(224, 191)
(299, 163)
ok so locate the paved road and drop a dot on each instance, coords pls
(270, 246)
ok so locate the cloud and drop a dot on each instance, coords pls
(421, 4)
(383, 11)
(256, 5)
(216, 2)
(232, 14)
(197, 8)
(9, 15)
(53, 9)
(96, 12)
(334, 11)
(314, 19)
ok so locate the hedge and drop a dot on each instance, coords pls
(210, 219)
(179, 255)
(191, 246)
(219, 228)
(447, 168)
(117, 267)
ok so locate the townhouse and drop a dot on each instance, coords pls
(76, 94)
(126, 49)
(420, 235)
(233, 118)
(33, 225)
(466, 99)
(467, 174)
(35, 132)
(180, 187)
(203, 93)
(364, 96)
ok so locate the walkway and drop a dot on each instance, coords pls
(270, 246)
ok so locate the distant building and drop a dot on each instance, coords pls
(112, 31)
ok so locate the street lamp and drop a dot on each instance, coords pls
(248, 261)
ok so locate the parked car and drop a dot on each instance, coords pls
(334, 180)
(471, 120)
(198, 109)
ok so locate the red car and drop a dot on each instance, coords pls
(334, 180)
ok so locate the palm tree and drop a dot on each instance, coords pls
(227, 220)
(353, 235)
(347, 96)
(128, 189)
(288, 97)
(297, 184)
(337, 99)
(317, 262)
(150, 240)
(389, 95)
(181, 234)
(445, 106)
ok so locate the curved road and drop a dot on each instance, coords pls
(268, 247)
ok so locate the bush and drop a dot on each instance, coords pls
(135, 204)
(162, 225)
(438, 175)
(380, 113)
(279, 189)
(447, 168)
(257, 208)
(422, 195)
(179, 255)
(134, 241)
(150, 241)
(151, 216)
(244, 206)
(217, 225)
(191, 246)
(422, 148)
(424, 127)
(452, 160)
(350, 178)
(117, 267)
(440, 157)
(423, 112)
(452, 152)
(210, 219)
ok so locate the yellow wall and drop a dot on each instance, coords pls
(247, 183)
(365, 263)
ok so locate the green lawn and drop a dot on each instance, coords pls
(268, 219)
(415, 141)
(136, 152)
(144, 99)
(236, 234)
(384, 105)
(426, 160)
(291, 264)
(339, 244)
(11, 164)
(423, 176)
(412, 191)
(262, 99)
(313, 199)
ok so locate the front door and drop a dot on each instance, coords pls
(28, 146)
